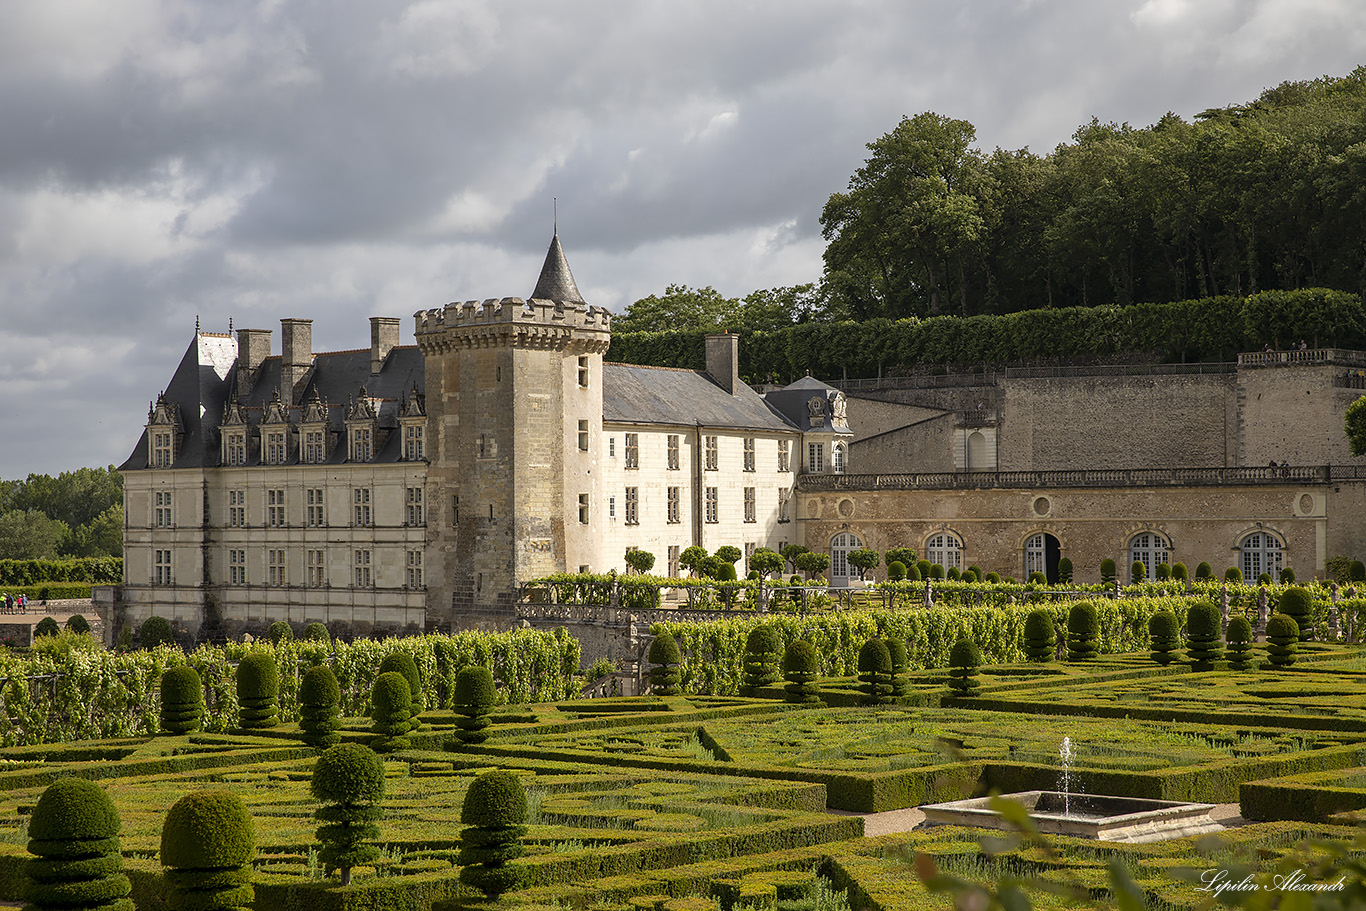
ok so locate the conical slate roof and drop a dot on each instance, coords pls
(556, 282)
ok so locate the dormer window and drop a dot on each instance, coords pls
(837, 457)
(362, 429)
(162, 427)
(315, 449)
(275, 447)
(362, 444)
(163, 453)
(235, 447)
(412, 443)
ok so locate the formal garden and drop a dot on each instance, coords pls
(448, 771)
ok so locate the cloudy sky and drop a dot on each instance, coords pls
(248, 160)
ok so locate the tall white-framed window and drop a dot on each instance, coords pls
(237, 508)
(815, 457)
(751, 508)
(672, 516)
(412, 443)
(749, 454)
(710, 456)
(1150, 549)
(611, 507)
(237, 566)
(162, 451)
(162, 499)
(314, 449)
(1263, 552)
(163, 567)
(360, 499)
(275, 508)
(414, 569)
(276, 567)
(713, 507)
(1036, 554)
(362, 444)
(235, 447)
(632, 450)
(275, 447)
(837, 458)
(673, 554)
(361, 565)
(784, 455)
(317, 513)
(413, 507)
(317, 569)
(945, 548)
(671, 448)
(633, 506)
(840, 545)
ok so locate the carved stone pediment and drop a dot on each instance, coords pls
(815, 411)
(163, 413)
(234, 415)
(276, 412)
(362, 408)
(413, 405)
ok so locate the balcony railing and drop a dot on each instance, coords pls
(1117, 477)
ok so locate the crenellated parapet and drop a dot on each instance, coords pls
(514, 322)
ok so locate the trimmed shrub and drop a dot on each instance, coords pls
(280, 631)
(994, 578)
(1083, 632)
(1164, 572)
(875, 672)
(964, 660)
(924, 567)
(475, 695)
(1264, 579)
(1179, 572)
(1239, 635)
(761, 660)
(349, 780)
(1233, 575)
(801, 670)
(970, 575)
(1064, 569)
(391, 709)
(903, 555)
(975, 570)
(1038, 578)
(316, 632)
(182, 700)
(494, 812)
(1040, 636)
(1164, 632)
(896, 648)
(952, 574)
(207, 845)
(1138, 573)
(1204, 571)
(896, 571)
(936, 571)
(154, 631)
(73, 835)
(664, 661)
(403, 663)
(47, 627)
(77, 623)
(1107, 570)
(1203, 633)
(258, 691)
(1298, 605)
(1358, 571)
(913, 573)
(1282, 640)
(1287, 576)
(320, 707)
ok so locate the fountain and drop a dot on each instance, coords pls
(1065, 779)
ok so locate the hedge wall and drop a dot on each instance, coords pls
(90, 570)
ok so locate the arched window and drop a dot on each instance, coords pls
(840, 570)
(1262, 553)
(1150, 549)
(1042, 552)
(837, 458)
(977, 451)
(946, 549)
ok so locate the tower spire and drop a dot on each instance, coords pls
(556, 281)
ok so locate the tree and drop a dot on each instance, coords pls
(863, 560)
(906, 556)
(692, 559)
(46, 627)
(640, 561)
(765, 562)
(31, 535)
(349, 780)
(729, 553)
(680, 307)
(1355, 422)
(792, 551)
(812, 563)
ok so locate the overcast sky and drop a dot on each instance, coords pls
(162, 160)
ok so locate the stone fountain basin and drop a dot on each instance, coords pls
(1125, 819)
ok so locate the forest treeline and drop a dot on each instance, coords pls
(76, 514)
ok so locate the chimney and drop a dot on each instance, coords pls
(723, 361)
(296, 358)
(383, 337)
(253, 347)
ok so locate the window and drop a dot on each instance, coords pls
(361, 500)
(361, 565)
(632, 450)
(946, 549)
(162, 500)
(317, 516)
(237, 508)
(837, 458)
(712, 507)
(709, 457)
(314, 450)
(414, 569)
(275, 447)
(1262, 553)
(1150, 549)
(235, 448)
(749, 505)
(483, 447)
(632, 506)
(611, 447)
(362, 445)
(749, 454)
(161, 449)
(611, 507)
(163, 567)
(413, 511)
(784, 497)
(275, 563)
(237, 567)
(583, 509)
(671, 446)
(1036, 555)
(840, 545)
(784, 455)
(673, 561)
(317, 576)
(455, 510)
(750, 547)
(673, 509)
(815, 457)
(412, 443)
(275, 508)
(583, 372)
(583, 436)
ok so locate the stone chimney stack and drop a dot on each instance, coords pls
(296, 358)
(723, 361)
(384, 332)
(253, 347)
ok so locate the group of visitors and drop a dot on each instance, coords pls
(15, 604)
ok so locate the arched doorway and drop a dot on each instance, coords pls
(1150, 549)
(977, 451)
(1262, 553)
(840, 570)
(1041, 556)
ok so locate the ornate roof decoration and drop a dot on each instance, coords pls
(361, 408)
(314, 410)
(413, 405)
(234, 414)
(557, 282)
(276, 412)
(163, 412)
(815, 411)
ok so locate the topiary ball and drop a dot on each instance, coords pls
(1239, 636)
(402, 662)
(1179, 572)
(258, 686)
(1040, 636)
(73, 809)
(280, 631)
(155, 631)
(47, 627)
(1204, 631)
(320, 707)
(475, 695)
(348, 773)
(1204, 571)
(208, 830)
(316, 632)
(664, 650)
(391, 712)
(964, 660)
(1233, 575)
(1282, 639)
(77, 865)
(896, 571)
(801, 668)
(760, 662)
(1083, 632)
(1037, 578)
(1164, 632)
(875, 672)
(494, 812)
(1297, 604)
(78, 624)
(182, 700)
(494, 799)
(664, 657)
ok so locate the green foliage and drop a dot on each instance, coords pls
(639, 561)
(729, 553)
(896, 571)
(1083, 628)
(208, 842)
(1354, 422)
(1297, 604)
(1358, 571)
(46, 627)
(692, 559)
(1204, 571)
(320, 707)
(182, 700)
(1037, 578)
(812, 563)
(664, 658)
(280, 631)
(1287, 576)
(349, 780)
(1282, 640)
(348, 773)
(896, 648)
(1239, 636)
(391, 705)
(317, 632)
(953, 575)
(1233, 575)
(875, 672)
(77, 623)
(903, 555)
(801, 669)
(1107, 571)
(154, 631)
(765, 562)
(73, 834)
(863, 559)
(1164, 632)
(494, 811)
(475, 696)
(258, 690)
(1179, 572)
(964, 660)
(402, 662)
(1203, 633)
(1040, 636)
(1138, 573)
(1064, 570)
(924, 567)
(761, 660)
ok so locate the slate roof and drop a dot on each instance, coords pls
(556, 282)
(791, 401)
(632, 394)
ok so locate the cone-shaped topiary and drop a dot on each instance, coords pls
(1064, 570)
(664, 661)
(1298, 605)
(1083, 632)
(78, 624)
(403, 663)
(475, 695)
(207, 845)
(1164, 633)
(390, 712)
(47, 626)
(154, 631)
(875, 672)
(320, 707)
(1239, 636)
(316, 632)
(258, 691)
(280, 631)
(1282, 640)
(964, 660)
(494, 812)
(1204, 571)
(896, 647)
(1179, 572)
(1040, 636)
(801, 670)
(349, 780)
(73, 834)
(1203, 636)
(761, 660)
(182, 700)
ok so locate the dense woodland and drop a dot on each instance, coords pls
(76, 514)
